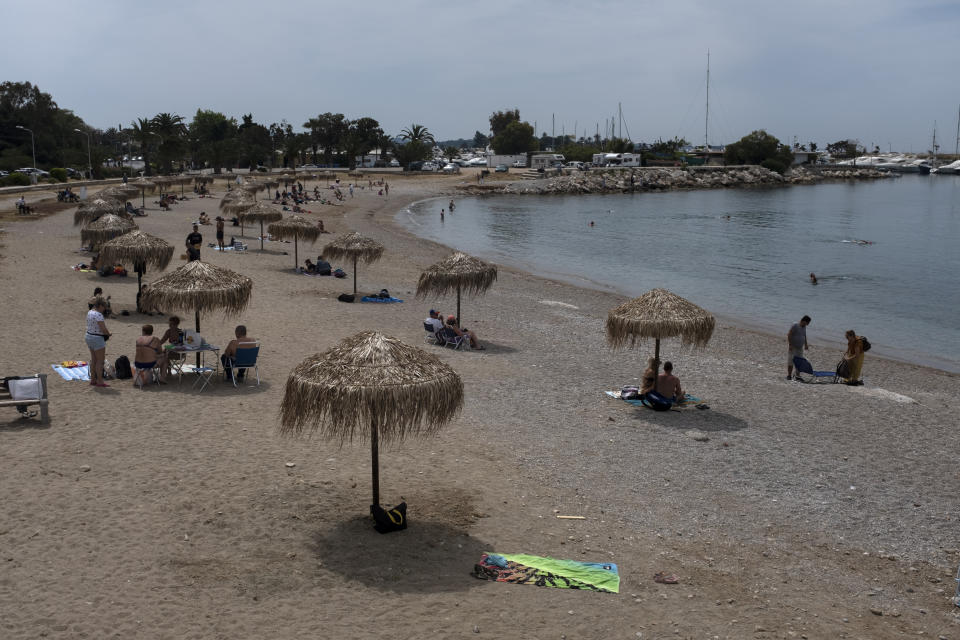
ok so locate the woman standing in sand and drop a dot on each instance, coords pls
(96, 339)
(854, 357)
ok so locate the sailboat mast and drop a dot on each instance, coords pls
(956, 149)
(620, 115)
(706, 118)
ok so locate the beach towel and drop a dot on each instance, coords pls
(72, 373)
(548, 572)
(688, 400)
(376, 299)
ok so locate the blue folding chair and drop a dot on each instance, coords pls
(245, 358)
(802, 365)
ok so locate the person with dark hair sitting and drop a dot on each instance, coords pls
(242, 340)
(668, 385)
(149, 352)
(309, 267)
(322, 267)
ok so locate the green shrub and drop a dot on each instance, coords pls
(60, 175)
(15, 180)
(774, 165)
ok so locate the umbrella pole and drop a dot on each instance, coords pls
(143, 198)
(296, 258)
(354, 275)
(261, 235)
(139, 287)
(375, 461)
(656, 362)
(458, 304)
(197, 317)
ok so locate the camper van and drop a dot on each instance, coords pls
(546, 160)
(616, 159)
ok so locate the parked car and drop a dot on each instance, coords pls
(308, 167)
(519, 164)
(501, 168)
(428, 166)
(393, 163)
(28, 170)
(4, 174)
(460, 162)
(73, 173)
(451, 168)
(416, 165)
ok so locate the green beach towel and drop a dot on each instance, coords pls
(548, 572)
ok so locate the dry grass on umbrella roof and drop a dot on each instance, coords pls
(106, 227)
(457, 271)
(294, 228)
(260, 212)
(119, 192)
(237, 201)
(198, 286)
(367, 377)
(137, 247)
(659, 314)
(142, 184)
(90, 210)
(203, 179)
(353, 246)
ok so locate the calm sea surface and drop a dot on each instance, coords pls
(902, 291)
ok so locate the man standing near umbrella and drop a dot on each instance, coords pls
(194, 242)
(796, 343)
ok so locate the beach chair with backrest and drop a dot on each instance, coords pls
(246, 358)
(802, 365)
(431, 336)
(451, 339)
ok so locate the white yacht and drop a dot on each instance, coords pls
(949, 169)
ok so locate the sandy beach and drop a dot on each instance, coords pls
(786, 510)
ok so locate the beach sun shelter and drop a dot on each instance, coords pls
(106, 227)
(260, 212)
(370, 387)
(356, 247)
(141, 249)
(236, 202)
(457, 272)
(659, 314)
(199, 287)
(143, 185)
(92, 209)
(294, 228)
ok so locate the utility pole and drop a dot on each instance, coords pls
(553, 130)
(706, 118)
(89, 163)
(33, 145)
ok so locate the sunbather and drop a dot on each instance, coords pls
(470, 335)
(668, 385)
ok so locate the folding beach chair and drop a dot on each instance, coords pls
(431, 336)
(451, 339)
(802, 365)
(246, 358)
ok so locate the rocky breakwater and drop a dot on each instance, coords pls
(674, 178)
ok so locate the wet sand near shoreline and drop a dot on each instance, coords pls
(824, 511)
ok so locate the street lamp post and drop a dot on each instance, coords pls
(89, 163)
(33, 146)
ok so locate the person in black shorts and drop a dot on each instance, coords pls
(220, 232)
(194, 242)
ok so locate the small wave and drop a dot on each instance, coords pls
(557, 303)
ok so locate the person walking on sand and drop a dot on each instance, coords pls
(96, 339)
(386, 189)
(796, 343)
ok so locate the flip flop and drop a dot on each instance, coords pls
(664, 578)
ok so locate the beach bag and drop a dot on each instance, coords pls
(122, 368)
(383, 294)
(630, 392)
(386, 520)
(843, 369)
(339, 273)
(865, 343)
(346, 297)
(656, 401)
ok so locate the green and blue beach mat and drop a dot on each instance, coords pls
(688, 400)
(548, 572)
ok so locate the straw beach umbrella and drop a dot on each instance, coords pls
(294, 228)
(354, 246)
(260, 212)
(370, 386)
(141, 249)
(143, 185)
(458, 272)
(121, 192)
(659, 314)
(106, 227)
(199, 287)
(235, 202)
(90, 210)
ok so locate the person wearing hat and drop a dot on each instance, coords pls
(434, 320)
(454, 325)
(220, 232)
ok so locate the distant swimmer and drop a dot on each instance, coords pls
(591, 223)
(813, 279)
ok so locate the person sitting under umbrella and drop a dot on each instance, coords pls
(309, 267)
(242, 340)
(470, 335)
(148, 354)
(323, 267)
(668, 385)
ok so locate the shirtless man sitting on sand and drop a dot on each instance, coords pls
(668, 385)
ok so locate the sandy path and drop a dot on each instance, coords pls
(189, 524)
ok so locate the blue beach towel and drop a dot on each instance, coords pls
(72, 373)
(688, 400)
(376, 299)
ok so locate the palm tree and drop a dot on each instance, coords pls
(417, 133)
(143, 134)
(172, 131)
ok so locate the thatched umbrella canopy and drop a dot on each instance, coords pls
(370, 386)
(260, 212)
(106, 227)
(356, 247)
(199, 287)
(141, 249)
(288, 178)
(203, 179)
(143, 185)
(295, 228)
(122, 192)
(659, 314)
(457, 272)
(90, 210)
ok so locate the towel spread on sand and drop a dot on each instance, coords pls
(376, 299)
(72, 373)
(688, 400)
(548, 572)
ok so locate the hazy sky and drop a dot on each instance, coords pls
(878, 70)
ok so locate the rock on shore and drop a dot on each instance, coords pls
(670, 178)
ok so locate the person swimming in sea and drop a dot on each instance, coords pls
(813, 278)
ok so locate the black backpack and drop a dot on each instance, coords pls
(345, 297)
(865, 343)
(122, 368)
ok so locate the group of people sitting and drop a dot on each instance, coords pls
(66, 195)
(151, 356)
(450, 331)
(661, 391)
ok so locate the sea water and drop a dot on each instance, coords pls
(886, 253)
